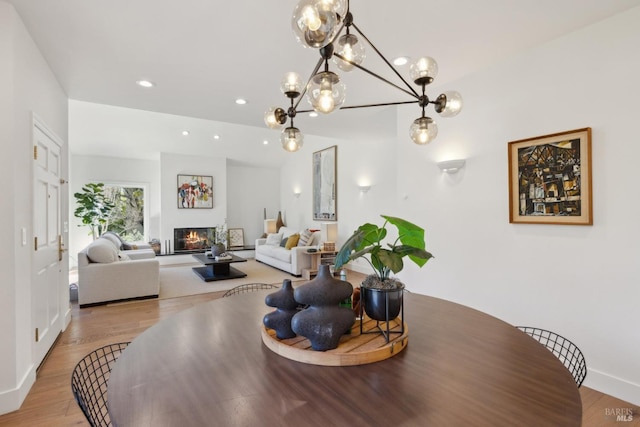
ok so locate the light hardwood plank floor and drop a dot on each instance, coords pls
(50, 402)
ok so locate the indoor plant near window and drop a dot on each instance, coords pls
(94, 208)
(380, 287)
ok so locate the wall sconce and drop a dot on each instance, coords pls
(296, 194)
(364, 188)
(270, 226)
(451, 166)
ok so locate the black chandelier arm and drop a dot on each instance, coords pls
(313, 73)
(383, 104)
(414, 93)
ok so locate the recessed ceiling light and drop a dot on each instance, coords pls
(216, 136)
(313, 114)
(265, 142)
(145, 83)
(241, 101)
(185, 132)
(401, 60)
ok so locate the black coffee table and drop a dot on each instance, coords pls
(218, 270)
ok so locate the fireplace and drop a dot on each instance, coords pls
(193, 239)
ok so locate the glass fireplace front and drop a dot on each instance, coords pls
(193, 239)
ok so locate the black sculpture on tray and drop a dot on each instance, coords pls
(280, 319)
(324, 321)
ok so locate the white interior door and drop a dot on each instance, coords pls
(47, 254)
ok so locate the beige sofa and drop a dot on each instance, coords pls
(106, 274)
(292, 260)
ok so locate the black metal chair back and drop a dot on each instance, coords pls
(568, 353)
(249, 287)
(89, 382)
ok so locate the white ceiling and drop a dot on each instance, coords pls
(202, 55)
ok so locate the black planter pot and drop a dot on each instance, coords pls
(376, 300)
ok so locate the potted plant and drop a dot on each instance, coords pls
(94, 208)
(379, 288)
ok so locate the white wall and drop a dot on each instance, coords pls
(250, 191)
(171, 165)
(86, 169)
(27, 87)
(581, 281)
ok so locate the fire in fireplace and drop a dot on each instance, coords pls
(193, 239)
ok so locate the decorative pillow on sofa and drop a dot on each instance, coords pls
(283, 243)
(305, 238)
(102, 251)
(292, 241)
(273, 239)
(113, 238)
(128, 246)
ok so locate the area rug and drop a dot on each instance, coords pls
(180, 280)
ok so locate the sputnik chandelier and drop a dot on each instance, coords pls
(319, 24)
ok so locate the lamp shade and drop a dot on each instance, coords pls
(329, 231)
(270, 226)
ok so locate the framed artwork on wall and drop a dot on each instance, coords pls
(195, 192)
(325, 184)
(550, 179)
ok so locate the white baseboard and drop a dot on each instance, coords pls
(11, 400)
(616, 387)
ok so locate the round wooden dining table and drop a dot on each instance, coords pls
(208, 366)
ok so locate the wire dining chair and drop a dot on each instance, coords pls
(568, 353)
(89, 382)
(249, 287)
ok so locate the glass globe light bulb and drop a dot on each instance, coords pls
(326, 92)
(424, 70)
(271, 117)
(291, 84)
(315, 22)
(449, 104)
(352, 49)
(338, 6)
(311, 17)
(291, 139)
(423, 130)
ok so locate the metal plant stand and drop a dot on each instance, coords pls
(386, 332)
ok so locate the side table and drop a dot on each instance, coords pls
(317, 258)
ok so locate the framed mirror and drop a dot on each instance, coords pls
(325, 184)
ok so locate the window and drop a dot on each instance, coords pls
(128, 217)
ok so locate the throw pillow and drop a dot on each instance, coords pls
(292, 241)
(113, 239)
(102, 251)
(128, 246)
(274, 239)
(305, 237)
(284, 242)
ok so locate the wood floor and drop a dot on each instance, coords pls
(50, 402)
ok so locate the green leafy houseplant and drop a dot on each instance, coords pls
(94, 208)
(385, 259)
